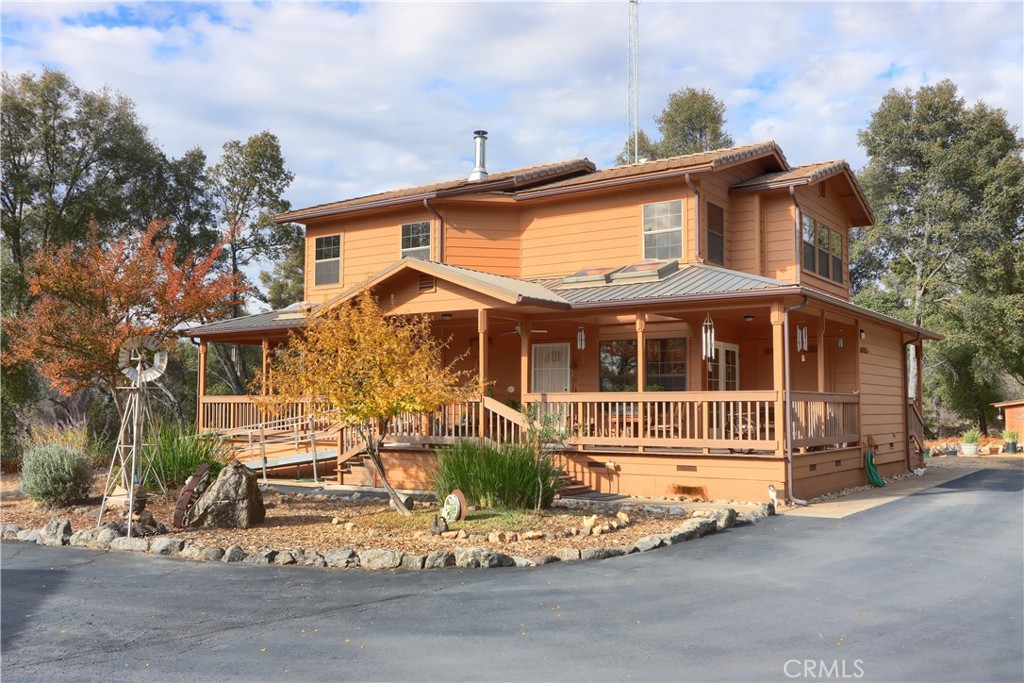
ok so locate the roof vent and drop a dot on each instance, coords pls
(480, 168)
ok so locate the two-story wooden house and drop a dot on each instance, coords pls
(688, 320)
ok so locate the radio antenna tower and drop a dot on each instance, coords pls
(633, 86)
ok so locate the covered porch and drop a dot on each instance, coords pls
(650, 402)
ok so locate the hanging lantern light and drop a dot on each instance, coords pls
(581, 338)
(801, 338)
(708, 338)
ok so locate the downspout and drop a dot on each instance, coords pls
(906, 388)
(440, 229)
(789, 406)
(696, 217)
(799, 239)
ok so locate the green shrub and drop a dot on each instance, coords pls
(489, 476)
(73, 435)
(971, 436)
(55, 475)
(182, 451)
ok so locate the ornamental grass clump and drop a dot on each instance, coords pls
(55, 476)
(490, 476)
(182, 451)
(971, 436)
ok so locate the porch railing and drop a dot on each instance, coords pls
(693, 419)
(734, 420)
(824, 419)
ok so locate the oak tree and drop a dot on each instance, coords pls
(693, 120)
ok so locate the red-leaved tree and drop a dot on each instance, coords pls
(88, 300)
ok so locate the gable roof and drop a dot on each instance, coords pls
(808, 174)
(494, 182)
(701, 161)
(506, 289)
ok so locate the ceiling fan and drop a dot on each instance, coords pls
(519, 330)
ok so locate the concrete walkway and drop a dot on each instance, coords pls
(939, 471)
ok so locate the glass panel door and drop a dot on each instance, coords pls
(551, 368)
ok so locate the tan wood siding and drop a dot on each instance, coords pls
(741, 234)
(368, 245)
(779, 237)
(883, 396)
(559, 238)
(662, 475)
(483, 238)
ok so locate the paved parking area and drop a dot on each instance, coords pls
(928, 587)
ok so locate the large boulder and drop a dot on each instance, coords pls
(233, 501)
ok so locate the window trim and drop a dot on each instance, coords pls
(721, 233)
(818, 251)
(404, 251)
(317, 261)
(644, 232)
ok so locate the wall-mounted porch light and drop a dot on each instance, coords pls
(748, 318)
(863, 335)
(581, 338)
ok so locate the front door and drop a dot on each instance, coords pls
(551, 368)
(724, 368)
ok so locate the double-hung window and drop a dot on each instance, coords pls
(716, 234)
(822, 249)
(416, 240)
(327, 260)
(663, 230)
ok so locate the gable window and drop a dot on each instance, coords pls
(665, 365)
(663, 230)
(716, 234)
(327, 260)
(823, 249)
(416, 240)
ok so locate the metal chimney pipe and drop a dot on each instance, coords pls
(480, 169)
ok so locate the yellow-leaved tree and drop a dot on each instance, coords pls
(370, 367)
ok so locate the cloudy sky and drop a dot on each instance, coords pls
(371, 96)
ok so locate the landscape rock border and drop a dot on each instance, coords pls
(58, 532)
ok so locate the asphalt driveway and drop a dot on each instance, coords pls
(926, 588)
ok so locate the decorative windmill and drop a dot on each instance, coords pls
(141, 360)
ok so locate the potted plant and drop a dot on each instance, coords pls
(970, 438)
(1010, 437)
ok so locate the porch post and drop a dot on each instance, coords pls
(779, 376)
(524, 360)
(482, 335)
(821, 353)
(265, 389)
(641, 350)
(201, 387)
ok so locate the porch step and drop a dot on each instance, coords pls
(567, 486)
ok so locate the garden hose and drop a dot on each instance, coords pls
(874, 478)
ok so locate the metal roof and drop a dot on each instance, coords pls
(270, 320)
(690, 280)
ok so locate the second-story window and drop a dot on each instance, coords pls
(663, 230)
(716, 234)
(327, 260)
(823, 249)
(416, 240)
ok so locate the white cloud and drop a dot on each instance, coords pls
(375, 96)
